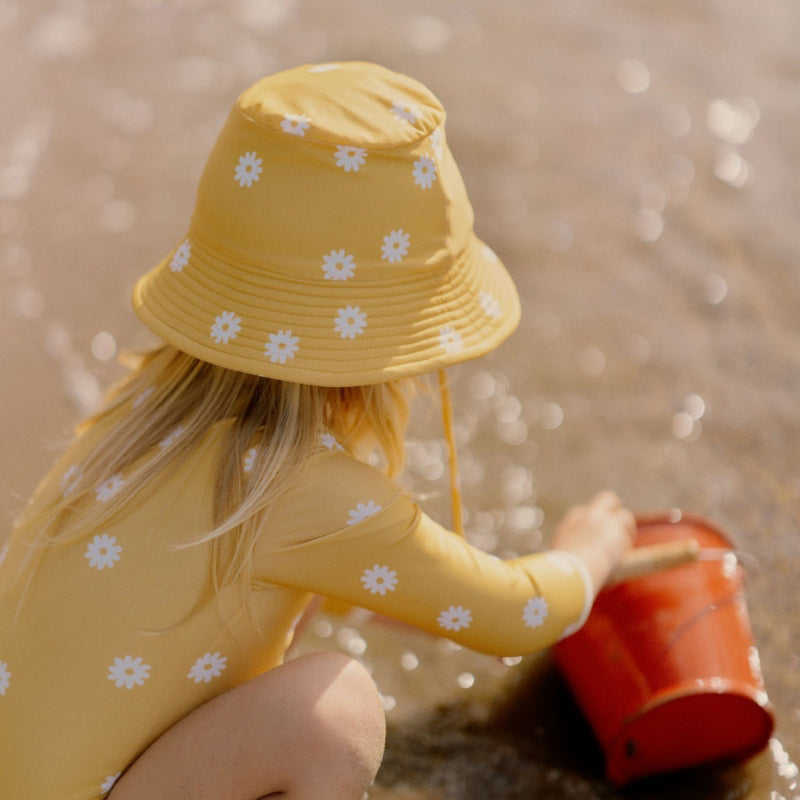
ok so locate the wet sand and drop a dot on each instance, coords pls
(634, 166)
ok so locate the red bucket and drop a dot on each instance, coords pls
(665, 668)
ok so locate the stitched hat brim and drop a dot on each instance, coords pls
(243, 317)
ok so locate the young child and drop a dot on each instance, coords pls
(150, 589)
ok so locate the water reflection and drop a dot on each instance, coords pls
(633, 75)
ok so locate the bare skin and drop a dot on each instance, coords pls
(599, 533)
(314, 727)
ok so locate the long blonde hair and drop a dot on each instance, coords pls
(172, 399)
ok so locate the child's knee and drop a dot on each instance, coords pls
(345, 723)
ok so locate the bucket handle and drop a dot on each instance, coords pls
(644, 560)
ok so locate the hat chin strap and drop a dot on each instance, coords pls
(455, 478)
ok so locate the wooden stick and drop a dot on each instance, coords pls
(652, 558)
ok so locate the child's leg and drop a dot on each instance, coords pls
(310, 729)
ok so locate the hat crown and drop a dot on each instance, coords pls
(352, 158)
(345, 104)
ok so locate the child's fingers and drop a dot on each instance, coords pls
(606, 500)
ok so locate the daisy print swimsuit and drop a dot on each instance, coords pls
(118, 632)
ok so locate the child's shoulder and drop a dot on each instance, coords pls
(334, 491)
(335, 470)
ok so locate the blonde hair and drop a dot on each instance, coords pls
(169, 392)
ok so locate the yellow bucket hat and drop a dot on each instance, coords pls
(331, 241)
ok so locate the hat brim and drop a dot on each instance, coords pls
(281, 329)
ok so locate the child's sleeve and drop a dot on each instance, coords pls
(355, 538)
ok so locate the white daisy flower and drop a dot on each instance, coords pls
(350, 322)
(108, 784)
(171, 438)
(437, 139)
(248, 169)
(109, 488)
(379, 580)
(324, 67)
(297, 124)
(250, 460)
(103, 551)
(128, 672)
(362, 511)
(225, 327)
(181, 257)
(455, 618)
(535, 612)
(70, 480)
(338, 266)
(142, 396)
(489, 305)
(450, 339)
(424, 172)
(395, 246)
(207, 667)
(329, 441)
(281, 345)
(350, 158)
(5, 677)
(406, 112)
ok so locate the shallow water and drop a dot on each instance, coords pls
(634, 165)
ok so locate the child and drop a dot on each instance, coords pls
(150, 589)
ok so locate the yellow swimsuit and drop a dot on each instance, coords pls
(119, 636)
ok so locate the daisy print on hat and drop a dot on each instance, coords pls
(103, 551)
(296, 124)
(535, 612)
(181, 257)
(379, 580)
(248, 170)
(405, 111)
(350, 322)
(362, 511)
(424, 172)
(207, 667)
(489, 304)
(450, 339)
(281, 347)
(225, 327)
(455, 618)
(350, 159)
(128, 672)
(338, 266)
(395, 246)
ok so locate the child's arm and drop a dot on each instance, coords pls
(388, 556)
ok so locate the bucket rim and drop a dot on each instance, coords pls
(676, 516)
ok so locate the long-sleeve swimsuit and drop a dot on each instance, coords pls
(119, 633)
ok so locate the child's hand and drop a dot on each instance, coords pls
(599, 533)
